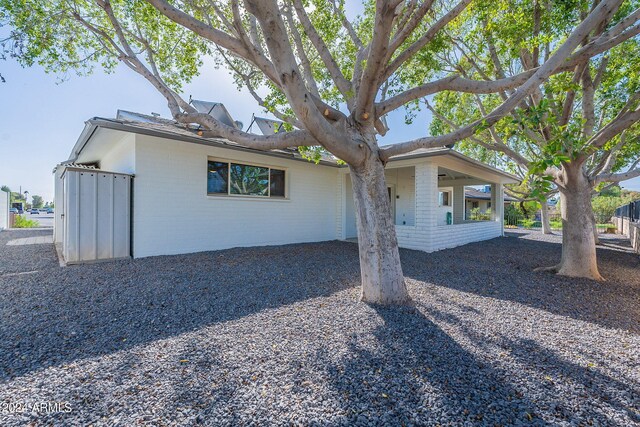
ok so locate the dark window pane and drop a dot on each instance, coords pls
(277, 183)
(249, 180)
(217, 177)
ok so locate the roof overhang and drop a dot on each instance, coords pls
(98, 129)
(458, 161)
(100, 133)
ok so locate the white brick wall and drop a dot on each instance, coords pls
(450, 236)
(340, 206)
(173, 214)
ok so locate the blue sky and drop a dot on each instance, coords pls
(41, 117)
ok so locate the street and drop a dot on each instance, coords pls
(44, 220)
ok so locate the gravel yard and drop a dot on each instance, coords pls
(274, 336)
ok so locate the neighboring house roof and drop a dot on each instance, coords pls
(473, 193)
(143, 124)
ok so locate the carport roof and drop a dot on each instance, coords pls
(164, 128)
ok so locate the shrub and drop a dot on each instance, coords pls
(22, 222)
(528, 223)
(556, 225)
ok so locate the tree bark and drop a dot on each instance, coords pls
(544, 217)
(380, 269)
(596, 237)
(578, 244)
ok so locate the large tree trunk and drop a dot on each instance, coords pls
(578, 244)
(596, 237)
(544, 217)
(382, 278)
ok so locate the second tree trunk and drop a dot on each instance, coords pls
(578, 238)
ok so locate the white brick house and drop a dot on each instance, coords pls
(191, 193)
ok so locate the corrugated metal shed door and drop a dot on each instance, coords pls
(97, 209)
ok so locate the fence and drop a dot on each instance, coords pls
(627, 219)
(631, 211)
(534, 221)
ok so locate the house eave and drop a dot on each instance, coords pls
(97, 122)
(93, 124)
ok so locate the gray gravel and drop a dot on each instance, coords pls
(274, 336)
(15, 259)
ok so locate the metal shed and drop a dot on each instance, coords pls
(96, 215)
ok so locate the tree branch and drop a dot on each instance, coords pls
(370, 81)
(280, 140)
(329, 61)
(415, 47)
(269, 17)
(220, 38)
(617, 177)
(600, 13)
(456, 82)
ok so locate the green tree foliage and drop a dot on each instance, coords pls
(37, 201)
(605, 203)
(17, 197)
(560, 123)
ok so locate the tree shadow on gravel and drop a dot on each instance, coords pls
(56, 316)
(584, 381)
(503, 268)
(411, 372)
(555, 381)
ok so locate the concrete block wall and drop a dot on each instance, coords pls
(634, 236)
(497, 205)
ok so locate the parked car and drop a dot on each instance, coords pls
(35, 212)
(14, 210)
(42, 209)
(49, 211)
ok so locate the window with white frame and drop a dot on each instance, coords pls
(444, 198)
(238, 179)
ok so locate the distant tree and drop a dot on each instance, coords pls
(37, 201)
(605, 203)
(5, 188)
(17, 197)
